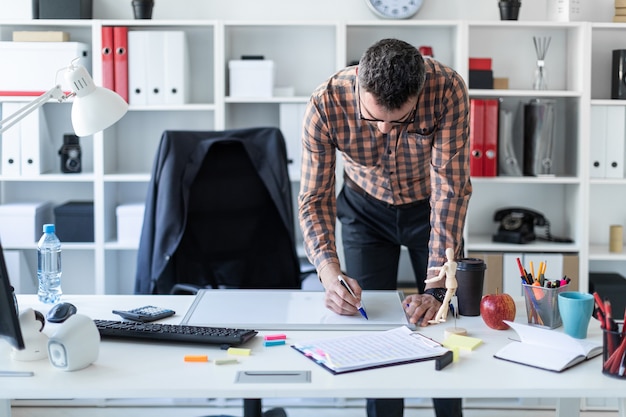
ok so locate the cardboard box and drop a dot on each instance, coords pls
(129, 222)
(251, 78)
(33, 66)
(74, 221)
(22, 223)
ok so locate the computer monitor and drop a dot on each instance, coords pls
(9, 321)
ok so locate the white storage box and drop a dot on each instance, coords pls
(33, 66)
(129, 223)
(570, 10)
(251, 78)
(21, 277)
(22, 223)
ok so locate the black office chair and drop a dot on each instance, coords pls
(219, 214)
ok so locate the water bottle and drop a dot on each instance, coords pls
(49, 266)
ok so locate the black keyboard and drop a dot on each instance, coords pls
(173, 332)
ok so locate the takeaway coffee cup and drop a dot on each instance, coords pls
(470, 276)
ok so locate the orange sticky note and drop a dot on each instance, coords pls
(196, 358)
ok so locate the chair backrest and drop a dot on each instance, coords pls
(234, 236)
(219, 213)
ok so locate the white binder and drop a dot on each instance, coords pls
(176, 65)
(291, 116)
(11, 143)
(598, 135)
(137, 68)
(615, 135)
(37, 153)
(155, 67)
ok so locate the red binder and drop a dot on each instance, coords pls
(490, 139)
(120, 45)
(477, 133)
(107, 58)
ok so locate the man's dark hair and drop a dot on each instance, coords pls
(392, 71)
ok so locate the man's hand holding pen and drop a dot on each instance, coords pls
(337, 297)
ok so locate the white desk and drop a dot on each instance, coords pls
(153, 370)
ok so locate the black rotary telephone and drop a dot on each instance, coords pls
(517, 225)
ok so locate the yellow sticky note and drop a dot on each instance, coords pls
(461, 342)
(455, 353)
(239, 351)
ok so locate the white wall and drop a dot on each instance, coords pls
(532, 10)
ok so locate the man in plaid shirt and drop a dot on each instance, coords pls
(401, 125)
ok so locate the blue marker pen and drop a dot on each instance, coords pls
(347, 287)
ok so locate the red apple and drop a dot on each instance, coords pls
(497, 307)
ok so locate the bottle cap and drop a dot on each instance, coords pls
(48, 228)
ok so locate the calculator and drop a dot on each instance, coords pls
(145, 313)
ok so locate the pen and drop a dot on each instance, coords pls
(347, 287)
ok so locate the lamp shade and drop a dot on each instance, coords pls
(94, 108)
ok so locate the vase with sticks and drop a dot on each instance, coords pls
(541, 48)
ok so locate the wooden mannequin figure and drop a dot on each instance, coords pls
(449, 270)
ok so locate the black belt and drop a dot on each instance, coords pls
(355, 187)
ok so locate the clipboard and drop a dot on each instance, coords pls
(292, 310)
(364, 351)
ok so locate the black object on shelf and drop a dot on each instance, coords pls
(74, 221)
(482, 79)
(62, 9)
(611, 286)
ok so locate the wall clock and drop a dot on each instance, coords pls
(394, 9)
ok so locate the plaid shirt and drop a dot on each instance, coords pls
(426, 160)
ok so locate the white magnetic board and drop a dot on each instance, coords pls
(292, 310)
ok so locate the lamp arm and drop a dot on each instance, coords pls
(54, 93)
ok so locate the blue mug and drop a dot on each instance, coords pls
(575, 309)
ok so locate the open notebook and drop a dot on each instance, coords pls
(547, 349)
(292, 310)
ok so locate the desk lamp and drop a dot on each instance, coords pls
(93, 108)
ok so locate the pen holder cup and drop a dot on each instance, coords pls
(614, 352)
(542, 307)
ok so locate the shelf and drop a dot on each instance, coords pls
(526, 180)
(118, 162)
(81, 177)
(601, 253)
(525, 93)
(485, 244)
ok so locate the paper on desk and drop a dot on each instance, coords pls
(370, 350)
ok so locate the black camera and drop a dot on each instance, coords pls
(70, 155)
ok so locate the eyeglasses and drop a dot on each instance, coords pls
(407, 120)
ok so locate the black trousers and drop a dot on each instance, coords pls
(372, 234)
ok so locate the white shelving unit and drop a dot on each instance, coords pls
(118, 161)
(604, 207)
